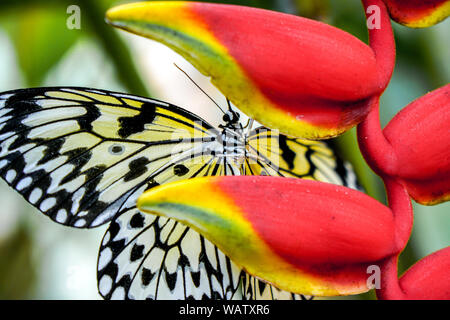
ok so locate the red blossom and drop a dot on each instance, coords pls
(311, 80)
(301, 76)
(418, 13)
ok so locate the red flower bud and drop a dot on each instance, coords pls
(418, 13)
(304, 77)
(300, 235)
(429, 278)
(420, 139)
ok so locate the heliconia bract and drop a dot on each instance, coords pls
(418, 13)
(303, 77)
(300, 235)
(428, 279)
(420, 138)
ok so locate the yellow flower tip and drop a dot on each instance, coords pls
(418, 14)
(139, 10)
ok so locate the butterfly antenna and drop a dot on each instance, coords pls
(185, 73)
(229, 105)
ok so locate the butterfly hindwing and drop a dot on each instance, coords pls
(271, 153)
(196, 265)
(254, 289)
(147, 257)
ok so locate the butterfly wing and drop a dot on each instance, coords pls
(77, 154)
(82, 156)
(149, 257)
(271, 153)
(254, 289)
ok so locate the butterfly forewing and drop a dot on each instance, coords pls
(74, 153)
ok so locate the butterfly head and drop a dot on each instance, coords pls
(231, 118)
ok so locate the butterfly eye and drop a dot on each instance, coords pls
(116, 149)
(227, 117)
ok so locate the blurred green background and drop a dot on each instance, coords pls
(42, 260)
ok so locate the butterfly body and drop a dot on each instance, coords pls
(83, 156)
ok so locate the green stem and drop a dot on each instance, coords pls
(114, 47)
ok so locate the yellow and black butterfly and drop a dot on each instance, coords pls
(83, 156)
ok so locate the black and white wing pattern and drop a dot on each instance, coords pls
(271, 153)
(77, 154)
(149, 257)
(83, 156)
(254, 289)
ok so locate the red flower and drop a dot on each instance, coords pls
(418, 13)
(302, 236)
(429, 278)
(419, 136)
(303, 77)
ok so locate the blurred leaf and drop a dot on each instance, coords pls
(349, 16)
(313, 9)
(41, 39)
(16, 266)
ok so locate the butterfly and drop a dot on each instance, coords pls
(83, 156)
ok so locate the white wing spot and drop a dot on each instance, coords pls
(50, 103)
(172, 260)
(106, 238)
(58, 175)
(104, 258)
(5, 118)
(10, 175)
(24, 183)
(3, 163)
(118, 294)
(3, 111)
(104, 216)
(61, 216)
(76, 200)
(105, 285)
(35, 195)
(80, 223)
(47, 204)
